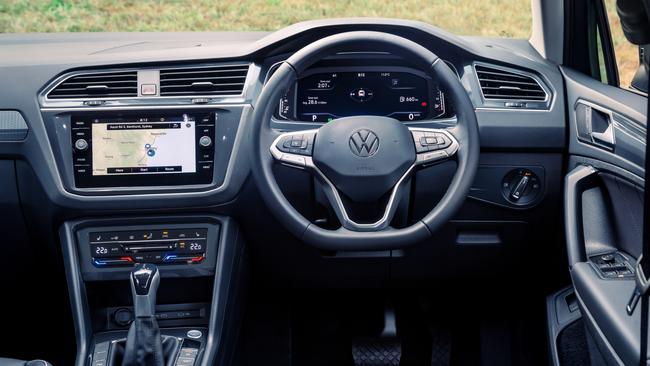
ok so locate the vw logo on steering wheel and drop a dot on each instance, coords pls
(364, 143)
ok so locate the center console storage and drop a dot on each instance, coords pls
(200, 260)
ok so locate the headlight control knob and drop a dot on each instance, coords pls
(521, 187)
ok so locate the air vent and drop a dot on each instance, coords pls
(501, 84)
(101, 85)
(213, 80)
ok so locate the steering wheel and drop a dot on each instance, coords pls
(363, 159)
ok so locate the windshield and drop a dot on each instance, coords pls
(499, 18)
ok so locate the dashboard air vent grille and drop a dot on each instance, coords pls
(501, 84)
(100, 85)
(212, 80)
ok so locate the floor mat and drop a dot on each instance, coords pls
(377, 352)
(572, 345)
(318, 328)
(440, 346)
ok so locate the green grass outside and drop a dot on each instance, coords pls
(464, 17)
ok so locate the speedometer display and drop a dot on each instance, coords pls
(323, 97)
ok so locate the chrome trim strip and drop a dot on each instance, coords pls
(380, 224)
(142, 107)
(499, 109)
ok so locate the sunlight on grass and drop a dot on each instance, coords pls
(627, 54)
(464, 17)
(458, 16)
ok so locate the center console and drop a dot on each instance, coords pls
(147, 153)
(201, 272)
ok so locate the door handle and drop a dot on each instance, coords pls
(595, 125)
(606, 137)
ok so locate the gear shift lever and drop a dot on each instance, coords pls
(143, 342)
(145, 279)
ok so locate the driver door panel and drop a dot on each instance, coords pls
(604, 210)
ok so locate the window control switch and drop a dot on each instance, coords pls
(612, 265)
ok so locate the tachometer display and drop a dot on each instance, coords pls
(323, 97)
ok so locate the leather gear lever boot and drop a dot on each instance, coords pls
(143, 342)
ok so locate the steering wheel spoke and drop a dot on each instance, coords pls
(433, 145)
(382, 223)
(295, 149)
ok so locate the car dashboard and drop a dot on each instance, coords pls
(146, 123)
(127, 148)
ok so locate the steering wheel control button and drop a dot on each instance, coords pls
(205, 141)
(430, 157)
(194, 334)
(442, 141)
(432, 145)
(293, 159)
(418, 138)
(299, 144)
(429, 140)
(81, 145)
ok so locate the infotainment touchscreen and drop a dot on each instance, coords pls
(143, 149)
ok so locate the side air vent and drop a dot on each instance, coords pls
(101, 85)
(213, 80)
(508, 85)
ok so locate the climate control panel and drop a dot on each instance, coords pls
(180, 245)
(160, 246)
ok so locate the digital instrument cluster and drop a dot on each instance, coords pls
(325, 95)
